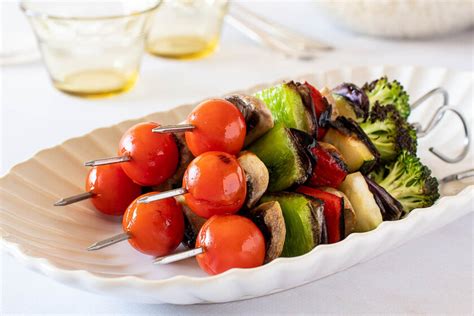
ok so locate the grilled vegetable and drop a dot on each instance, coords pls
(284, 153)
(358, 151)
(257, 177)
(383, 92)
(349, 213)
(333, 212)
(288, 108)
(185, 157)
(368, 214)
(389, 132)
(304, 222)
(192, 225)
(330, 168)
(408, 181)
(269, 219)
(351, 101)
(321, 109)
(258, 117)
(390, 208)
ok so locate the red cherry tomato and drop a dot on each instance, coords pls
(219, 126)
(216, 184)
(154, 156)
(230, 241)
(113, 190)
(320, 106)
(156, 228)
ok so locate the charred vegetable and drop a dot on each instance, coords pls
(258, 117)
(333, 212)
(288, 107)
(269, 218)
(383, 92)
(390, 208)
(408, 181)
(351, 101)
(330, 168)
(185, 157)
(358, 151)
(257, 177)
(304, 222)
(192, 225)
(322, 109)
(349, 213)
(284, 153)
(389, 132)
(367, 211)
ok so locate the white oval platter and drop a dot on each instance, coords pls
(52, 241)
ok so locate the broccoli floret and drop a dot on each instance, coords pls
(389, 132)
(385, 92)
(409, 181)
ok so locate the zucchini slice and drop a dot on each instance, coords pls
(304, 222)
(284, 153)
(356, 148)
(288, 107)
(367, 212)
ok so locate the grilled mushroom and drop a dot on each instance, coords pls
(258, 117)
(185, 157)
(269, 218)
(257, 177)
(192, 225)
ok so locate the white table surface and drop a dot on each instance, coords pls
(433, 274)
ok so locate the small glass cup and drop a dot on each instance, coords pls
(91, 48)
(186, 29)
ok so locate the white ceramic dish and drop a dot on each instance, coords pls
(52, 240)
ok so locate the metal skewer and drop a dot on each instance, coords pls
(162, 195)
(458, 176)
(179, 256)
(173, 128)
(109, 241)
(436, 120)
(107, 161)
(74, 199)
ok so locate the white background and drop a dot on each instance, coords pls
(432, 274)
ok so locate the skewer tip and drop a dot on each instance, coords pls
(61, 202)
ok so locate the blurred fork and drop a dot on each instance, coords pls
(274, 36)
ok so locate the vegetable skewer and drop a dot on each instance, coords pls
(147, 158)
(214, 125)
(214, 183)
(109, 189)
(155, 229)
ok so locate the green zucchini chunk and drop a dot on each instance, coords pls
(304, 222)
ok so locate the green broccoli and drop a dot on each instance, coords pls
(389, 132)
(409, 181)
(384, 92)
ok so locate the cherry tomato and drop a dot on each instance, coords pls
(216, 184)
(230, 241)
(219, 126)
(113, 190)
(154, 156)
(156, 228)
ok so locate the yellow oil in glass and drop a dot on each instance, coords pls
(96, 83)
(182, 47)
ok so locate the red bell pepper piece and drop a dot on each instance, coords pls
(330, 169)
(333, 212)
(319, 107)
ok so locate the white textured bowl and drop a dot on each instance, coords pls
(53, 240)
(401, 18)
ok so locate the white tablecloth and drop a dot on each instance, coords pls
(433, 274)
